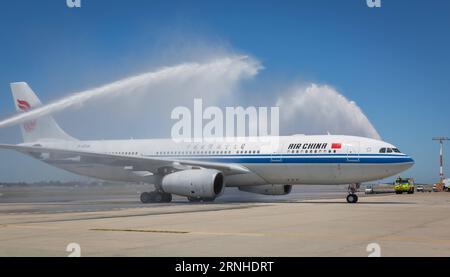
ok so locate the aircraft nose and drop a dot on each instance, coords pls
(409, 162)
(403, 166)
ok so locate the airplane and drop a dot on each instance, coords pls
(200, 171)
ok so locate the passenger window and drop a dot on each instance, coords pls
(383, 150)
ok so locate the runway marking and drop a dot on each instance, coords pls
(32, 226)
(215, 208)
(278, 234)
(66, 211)
(181, 232)
(142, 231)
(414, 239)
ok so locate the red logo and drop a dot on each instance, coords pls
(23, 105)
(336, 146)
(29, 126)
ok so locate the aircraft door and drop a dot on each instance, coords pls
(353, 152)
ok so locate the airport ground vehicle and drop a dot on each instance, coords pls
(420, 189)
(369, 190)
(438, 187)
(447, 185)
(402, 185)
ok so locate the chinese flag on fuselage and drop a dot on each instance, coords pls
(336, 146)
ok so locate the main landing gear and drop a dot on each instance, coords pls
(196, 200)
(352, 197)
(156, 197)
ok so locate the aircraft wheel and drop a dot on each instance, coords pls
(145, 197)
(210, 199)
(194, 199)
(167, 197)
(156, 197)
(352, 198)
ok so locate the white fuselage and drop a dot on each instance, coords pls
(295, 159)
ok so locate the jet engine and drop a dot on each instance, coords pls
(268, 189)
(194, 183)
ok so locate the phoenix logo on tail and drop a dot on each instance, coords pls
(25, 106)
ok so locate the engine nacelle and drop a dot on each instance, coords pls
(268, 189)
(196, 183)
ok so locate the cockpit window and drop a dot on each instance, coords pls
(389, 150)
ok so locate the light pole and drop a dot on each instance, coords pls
(441, 141)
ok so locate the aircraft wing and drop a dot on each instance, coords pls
(138, 163)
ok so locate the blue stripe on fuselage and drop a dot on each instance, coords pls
(297, 159)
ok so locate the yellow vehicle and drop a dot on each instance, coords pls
(447, 185)
(402, 185)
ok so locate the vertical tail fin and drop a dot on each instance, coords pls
(43, 127)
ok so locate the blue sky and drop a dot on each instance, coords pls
(393, 61)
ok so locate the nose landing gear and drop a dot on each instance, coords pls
(352, 197)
